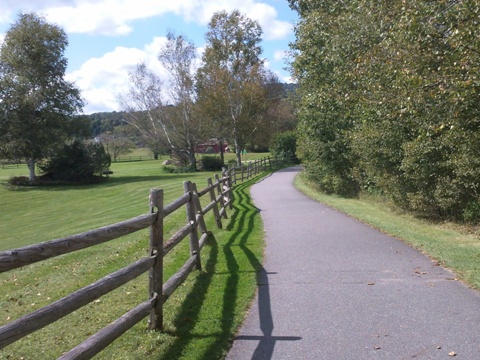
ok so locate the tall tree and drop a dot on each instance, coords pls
(232, 80)
(176, 125)
(323, 55)
(143, 106)
(178, 56)
(36, 102)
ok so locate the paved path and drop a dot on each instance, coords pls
(333, 288)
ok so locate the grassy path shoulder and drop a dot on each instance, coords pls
(452, 246)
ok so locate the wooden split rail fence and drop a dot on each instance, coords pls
(220, 192)
(253, 167)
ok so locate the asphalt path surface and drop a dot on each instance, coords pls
(334, 288)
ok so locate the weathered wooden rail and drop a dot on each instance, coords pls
(220, 193)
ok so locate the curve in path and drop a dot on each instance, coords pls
(334, 288)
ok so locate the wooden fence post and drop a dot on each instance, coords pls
(218, 219)
(156, 249)
(219, 192)
(234, 175)
(198, 209)
(192, 219)
(228, 185)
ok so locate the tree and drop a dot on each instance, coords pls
(143, 105)
(322, 66)
(36, 102)
(284, 144)
(175, 125)
(389, 100)
(116, 142)
(178, 57)
(232, 82)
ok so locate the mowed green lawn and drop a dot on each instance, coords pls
(200, 318)
(36, 214)
(32, 215)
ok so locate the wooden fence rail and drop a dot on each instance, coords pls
(220, 194)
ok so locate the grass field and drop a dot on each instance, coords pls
(32, 215)
(200, 318)
(451, 245)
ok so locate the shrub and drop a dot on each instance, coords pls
(284, 144)
(471, 214)
(20, 181)
(171, 169)
(212, 163)
(76, 162)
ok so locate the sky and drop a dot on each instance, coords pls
(108, 37)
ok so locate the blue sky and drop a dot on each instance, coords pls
(108, 37)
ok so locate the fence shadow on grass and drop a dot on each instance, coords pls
(187, 317)
(240, 224)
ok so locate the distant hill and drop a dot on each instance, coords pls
(102, 122)
(290, 87)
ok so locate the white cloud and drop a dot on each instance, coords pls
(266, 15)
(114, 17)
(279, 55)
(102, 79)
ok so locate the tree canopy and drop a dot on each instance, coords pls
(36, 102)
(233, 83)
(389, 100)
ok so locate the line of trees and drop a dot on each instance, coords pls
(389, 103)
(227, 95)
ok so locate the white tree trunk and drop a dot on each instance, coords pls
(31, 168)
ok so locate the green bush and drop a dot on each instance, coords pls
(76, 162)
(20, 181)
(212, 163)
(471, 213)
(172, 169)
(284, 144)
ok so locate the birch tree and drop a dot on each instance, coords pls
(164, 113)
(36, 102)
